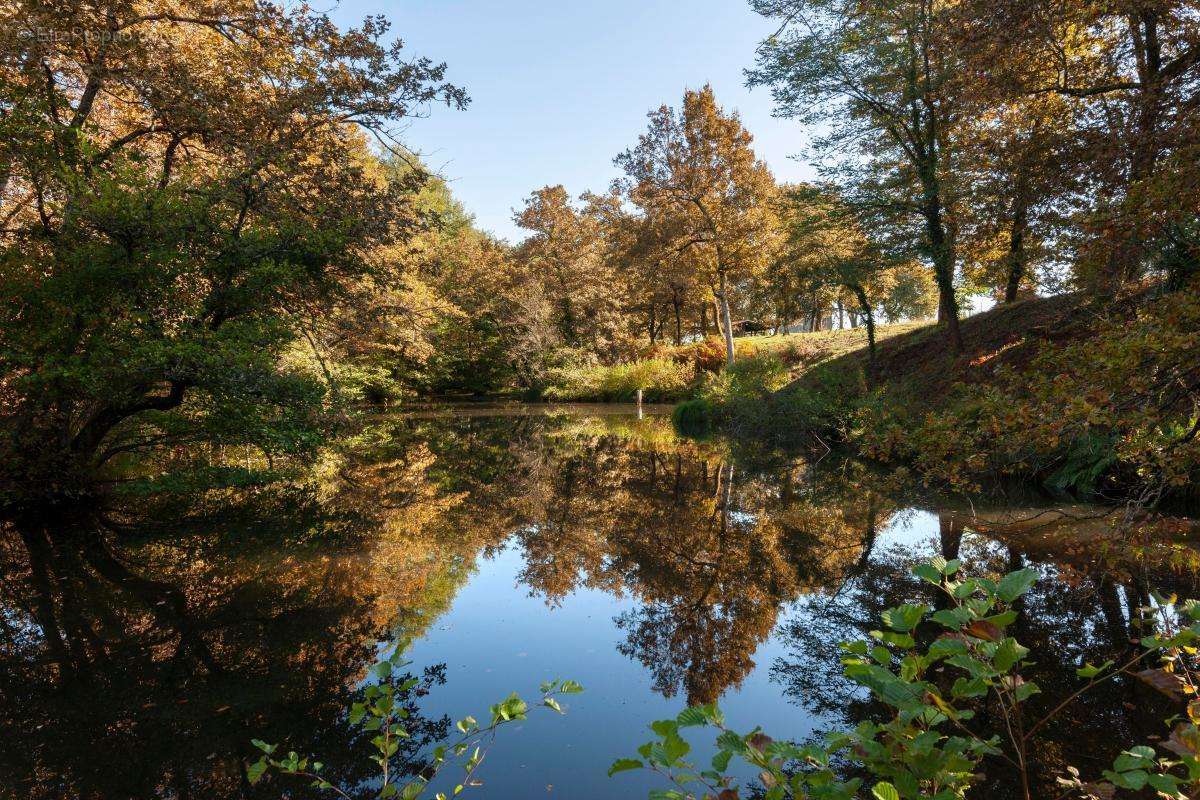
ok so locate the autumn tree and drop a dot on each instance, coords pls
(176, 186)
(566, 255)
(877, 77)
(695, 170)
(1126, 73)
(1020, 167)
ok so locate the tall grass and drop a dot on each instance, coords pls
(660, 379)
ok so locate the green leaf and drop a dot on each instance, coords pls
(413, 790)
(720, 762)
(1008, 653)
(255, 771)
(664, 727)
(1015, 584)
(1026, 690)
(952, 618)
(624, 765)
(969, 687)
(675, 747)
(382, 670)
(904, 618)
(928, 573)
(885, 791)
(1091, 671)
(570, 687)
(692, 717)
(550, 702)
(261, 745)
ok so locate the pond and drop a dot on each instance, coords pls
(144, 644)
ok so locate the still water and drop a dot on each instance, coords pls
(144, 644)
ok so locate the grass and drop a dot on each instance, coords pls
(801, 352)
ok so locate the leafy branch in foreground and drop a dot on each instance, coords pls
(929, 747)
(382, 713)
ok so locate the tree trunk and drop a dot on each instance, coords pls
(1016, 250)
(653, 327)
(704, 320)
(869, 316)
(943, 270)
(726, 321)
(677, 303)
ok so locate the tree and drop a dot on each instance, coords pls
(1021, 165)
(1127, 71)
(696, 169)
(827, 244)
(877, 75)
(179, 186)
(566, 254)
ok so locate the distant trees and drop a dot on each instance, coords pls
(829, 247)
(566, 254)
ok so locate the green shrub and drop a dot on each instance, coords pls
(660, 379)
(693, 417)
(385, 711)
(930, 745)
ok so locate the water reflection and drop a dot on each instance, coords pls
(166, 631)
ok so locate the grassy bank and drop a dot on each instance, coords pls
(1077, 395)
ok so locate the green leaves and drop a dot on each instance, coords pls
(1008, 654)
(383, 708)
(511, 708)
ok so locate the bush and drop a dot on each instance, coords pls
(660, 379)
(748, 379)
(927, 745)
(708, 355)
(693, 417)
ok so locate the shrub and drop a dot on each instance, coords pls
(661, 380)
(927, 746)
(708, 355)
(383, 711)
(1114, 412)
(693, 417)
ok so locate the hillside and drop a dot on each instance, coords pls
(916, 359)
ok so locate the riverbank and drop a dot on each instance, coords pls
(1080, 396)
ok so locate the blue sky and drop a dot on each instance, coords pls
(559, 88)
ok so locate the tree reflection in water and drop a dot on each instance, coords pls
(134, 663)
(141, 648)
